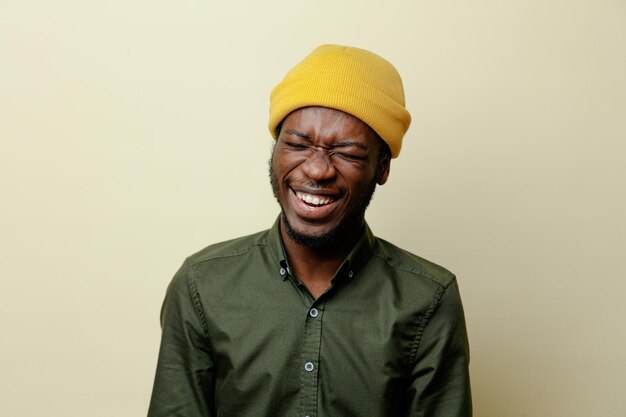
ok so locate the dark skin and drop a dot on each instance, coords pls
(325, 166)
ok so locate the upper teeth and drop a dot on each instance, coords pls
(313, 199)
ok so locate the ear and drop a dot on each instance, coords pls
(384, 166)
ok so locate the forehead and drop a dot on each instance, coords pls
(325, 124)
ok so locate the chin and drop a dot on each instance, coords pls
(312, 239)
(319, 238)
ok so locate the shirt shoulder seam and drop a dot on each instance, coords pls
(231, 254)
(450, 276)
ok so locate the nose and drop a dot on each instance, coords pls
(318, 165)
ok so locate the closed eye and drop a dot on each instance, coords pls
(296, 146)
(349, 156)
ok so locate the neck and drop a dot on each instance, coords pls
(316, 266)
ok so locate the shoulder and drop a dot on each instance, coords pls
(229, 249)
(410, 266)
(220, 264)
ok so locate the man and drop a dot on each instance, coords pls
(316, 316)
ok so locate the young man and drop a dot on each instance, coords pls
(316, 316)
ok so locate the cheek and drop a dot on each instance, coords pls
(362, 177)
(283, 167)
(280, 171)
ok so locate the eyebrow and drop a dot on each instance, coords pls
(339, 144)
(299, 134)
(349, 143)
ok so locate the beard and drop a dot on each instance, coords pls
(328, 239)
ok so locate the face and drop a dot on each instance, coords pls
(324, 169)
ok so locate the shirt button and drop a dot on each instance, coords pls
(350, 274)
(308, 366)
(313, 313)
(282, 271)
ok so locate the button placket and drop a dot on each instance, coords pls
(311, 343)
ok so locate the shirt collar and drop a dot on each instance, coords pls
(354, 261)
(361, 252)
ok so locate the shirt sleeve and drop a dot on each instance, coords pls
(185, 375)
(440, 384)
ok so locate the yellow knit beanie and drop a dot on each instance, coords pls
(349, 79)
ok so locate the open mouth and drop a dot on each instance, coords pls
(314, 200)
(314, 208)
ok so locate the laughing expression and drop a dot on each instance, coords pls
(324, 169)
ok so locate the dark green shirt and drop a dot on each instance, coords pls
(242, 336)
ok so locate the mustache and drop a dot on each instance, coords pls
(308, 183)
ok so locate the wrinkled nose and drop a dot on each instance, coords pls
(318, 166)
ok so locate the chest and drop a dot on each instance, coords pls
(273, 342)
